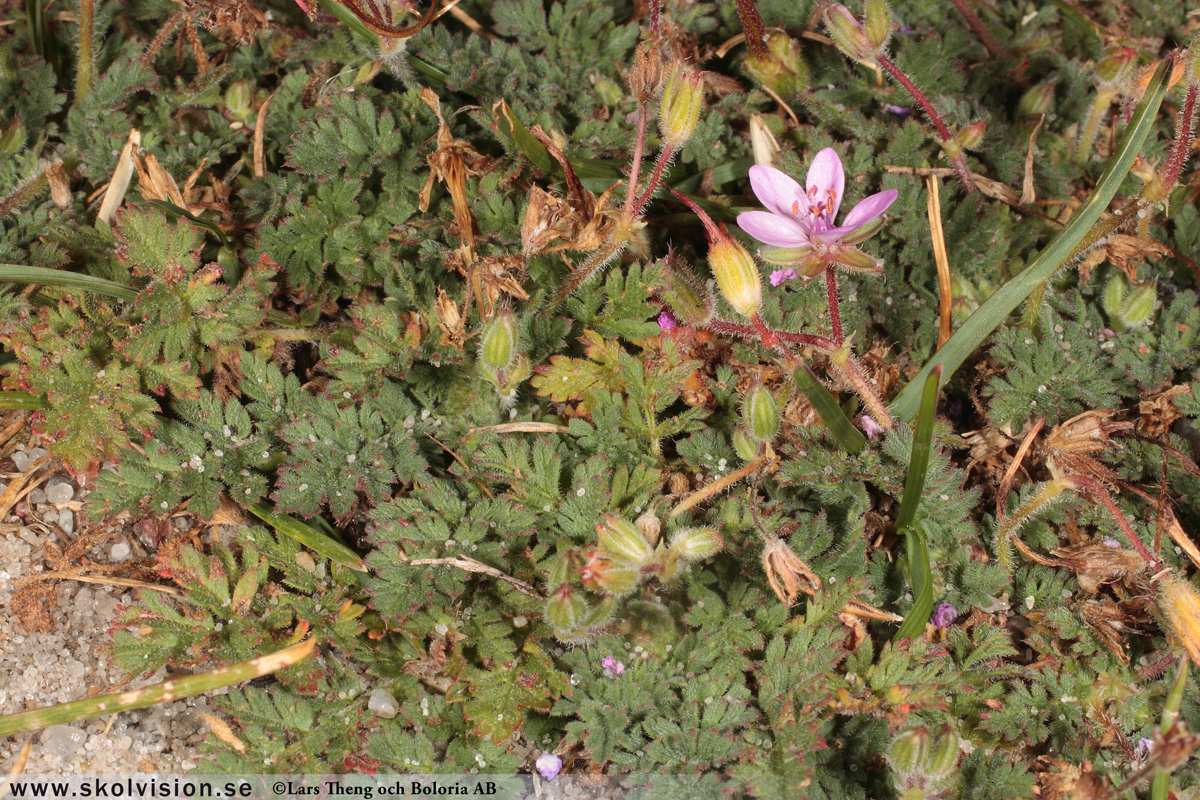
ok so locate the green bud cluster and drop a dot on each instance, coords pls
(923, 766)
(780, 67)
(500, 356)
(1128, 307)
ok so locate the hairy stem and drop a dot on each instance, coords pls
(976, 25)
(1010, 524)
(835, 315)
(639, 147)
(664, 158)
(85, 67)
(1097, 490)
(752, 24)
(960, 163)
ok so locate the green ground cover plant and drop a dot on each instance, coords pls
(792, 397)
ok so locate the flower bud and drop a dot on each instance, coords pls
(969, 137)
(1181, 604)
(877, 23)
(566, 608)
(909, 751)
(13, 138)
(644, 76)
(650, 526)
(745, 445)
(1137, 309)
(737, 276)
(1114, 293)
(1116, 64)
(779, 67)
(943, 754)
(498, 342)
(622, 540)
(682, 99)
(760, 413)
(847, 32)
(697, 544)
(238, 97)
(688, 297)
(609, 91)
(1036, 101)
(855, 260)
(603, 574)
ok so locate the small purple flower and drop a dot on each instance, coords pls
(870, 427)
(548, 765)
(1107, 333)
(782, 275)
(899, 111)
(1144, 746)
(612, 667)
(944, 616)
(798, 224)
(666, 322)
(1111, 542)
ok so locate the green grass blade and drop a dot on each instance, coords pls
(922, 579)
(914, 486)
(21, 401)
(167, 691)
(1160, 783)
(42, 276)
(980, 325)
(918, 465)
(176, 211)
(308, 536)
(826, 405)
(347, 18)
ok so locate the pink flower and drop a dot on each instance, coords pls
(612, 667)
(870, 427)
(944, 616)
(780, 275)
(548, 765)
(798, 225)
(666, 322)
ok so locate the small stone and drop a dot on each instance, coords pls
(66, 521)
(383, 704)
(21, 460)
(37, 497)
(49, 516)
(119, 552)
(62, 741)
(59, 493)
(29, 536)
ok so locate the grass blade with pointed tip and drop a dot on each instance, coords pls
(1160, 782)
(914, 486)
(174, 689)
(211, 227)
(826, 405)
(42, 276)
(980, 325)
(308, 536)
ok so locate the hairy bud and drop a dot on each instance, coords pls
(847, 32)
(682, 99)
(622, 540)
(1181, 604)
(737, 276)
(1036, 101)
(760, 413)
(603, 573)
(688, 297)
(697, 543)
(645, 74)
(745, 445)
(877, 23)
(566, 608)
(779, 67)
(498, 341)
(1115, 65)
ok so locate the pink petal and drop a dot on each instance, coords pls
(826, 173)
(775, 190)
(870, 208)
(773, 229)
(832, 234)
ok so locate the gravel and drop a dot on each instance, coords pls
(70, 662)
